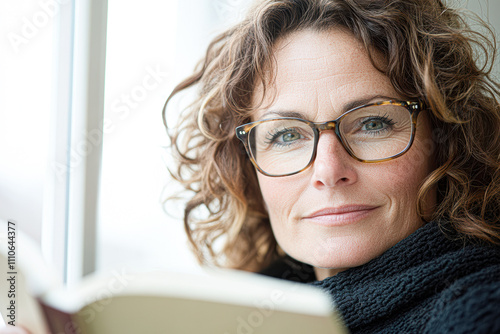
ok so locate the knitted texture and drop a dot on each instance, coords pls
(424, 284)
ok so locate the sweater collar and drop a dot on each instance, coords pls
(414, 269)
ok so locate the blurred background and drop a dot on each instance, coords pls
(82, 143)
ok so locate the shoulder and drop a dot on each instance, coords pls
(470, 304)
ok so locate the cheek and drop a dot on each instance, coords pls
(280, 195)
(402, 177)
(418, 162)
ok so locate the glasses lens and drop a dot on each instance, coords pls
(377, 132)
(286, 146)
(282, 146)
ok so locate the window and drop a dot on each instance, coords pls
(90, 211)
(146, 57)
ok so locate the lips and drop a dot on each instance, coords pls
(343, 215)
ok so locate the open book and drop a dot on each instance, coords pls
(220, 301)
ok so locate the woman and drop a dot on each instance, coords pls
(372, 133)
(352, 144)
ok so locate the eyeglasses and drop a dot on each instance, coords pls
(370, 133)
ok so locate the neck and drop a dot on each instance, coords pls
(322, 273)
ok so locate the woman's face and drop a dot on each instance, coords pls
(338, 213)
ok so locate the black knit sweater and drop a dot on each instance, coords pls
(424, 284)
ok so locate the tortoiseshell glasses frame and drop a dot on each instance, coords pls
(413, 108)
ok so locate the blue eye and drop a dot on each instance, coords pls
(373, 125)
(290, 136)
(283, 137)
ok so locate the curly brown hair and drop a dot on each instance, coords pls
(431, 54)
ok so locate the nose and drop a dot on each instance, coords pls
(333, 166)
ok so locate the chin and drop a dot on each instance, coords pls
(337, 258)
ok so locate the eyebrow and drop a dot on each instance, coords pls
(360, 102)
(348, 106)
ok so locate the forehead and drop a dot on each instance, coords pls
(320, 72)
(314, 52)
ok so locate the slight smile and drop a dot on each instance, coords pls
(339, 216)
